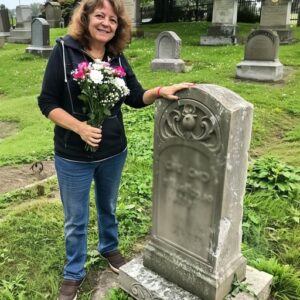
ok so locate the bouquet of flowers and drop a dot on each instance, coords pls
(101, 88)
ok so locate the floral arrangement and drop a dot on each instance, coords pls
(102, 86)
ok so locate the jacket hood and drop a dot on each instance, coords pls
(70, 42)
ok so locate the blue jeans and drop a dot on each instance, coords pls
(75, 179)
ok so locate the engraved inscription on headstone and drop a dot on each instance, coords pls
(200, 165)
(225, 12)
(276, 15)
(262, 45)
(223, 29)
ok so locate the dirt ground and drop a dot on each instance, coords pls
(15, 177)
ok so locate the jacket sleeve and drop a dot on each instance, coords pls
(135, 98)
(53, 83)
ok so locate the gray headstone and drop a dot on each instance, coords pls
(200, 167)
(224, 24)
(53, 14)
(23, 16)
(4, 20)
(261, 61)
(40, 32)
(276, 15)
(263, 45)
(22, 33)
(40, 43)
(168, 47)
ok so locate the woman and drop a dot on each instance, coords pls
(99, 29)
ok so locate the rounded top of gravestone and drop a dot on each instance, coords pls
(22, 6)
(40, 20)
(168, 45)
(52, 4)
(262, 45)
(2, 6)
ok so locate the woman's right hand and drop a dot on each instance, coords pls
(91, 135)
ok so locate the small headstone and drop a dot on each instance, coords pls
(223, 29)
(261, 60)
(276, 15)
(40, 43)
(134, 13)
(22, 33)
(200, 168)
(4, 22)
(168, 47)
(53, 14)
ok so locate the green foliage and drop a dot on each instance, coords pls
(117, 294)
(268, 173)
(35, 247)
(286, 281)
(239, 286)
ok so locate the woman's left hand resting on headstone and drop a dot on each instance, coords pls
(167, 92)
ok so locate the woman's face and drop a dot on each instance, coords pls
(103, 23)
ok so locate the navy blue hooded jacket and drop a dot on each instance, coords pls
(59, 90)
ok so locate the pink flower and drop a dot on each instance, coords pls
(83, 66)
(119, 71)
(78, 74)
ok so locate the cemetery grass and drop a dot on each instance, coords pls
(31, 228)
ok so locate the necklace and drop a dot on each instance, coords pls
(94, 57)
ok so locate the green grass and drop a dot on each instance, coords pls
(31, 259)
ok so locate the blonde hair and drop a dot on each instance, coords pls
(78, 28)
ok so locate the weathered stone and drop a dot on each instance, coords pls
(261, 61)
(4, 22)
(53, 14)
(168, 47)
(141, 283)
(134, 12)
(22, 33)
(223, 29)
(40, 44)
(276, 15)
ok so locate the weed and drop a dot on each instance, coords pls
(268, 173)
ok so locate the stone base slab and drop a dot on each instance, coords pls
(207, 40)
(4, 34)
(39, 51)
(20, 36)
(141, 284)
(168, 64)
(259, 70)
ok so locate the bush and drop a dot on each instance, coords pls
(269, 174)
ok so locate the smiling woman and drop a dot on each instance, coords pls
(84, 151)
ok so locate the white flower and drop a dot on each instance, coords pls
(96, 76)
(119, 82)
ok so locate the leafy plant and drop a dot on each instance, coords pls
(268, 173)
(286, 281)
(239, 286)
